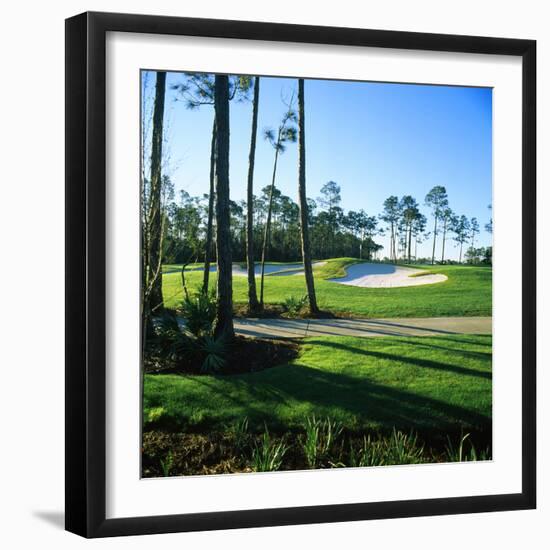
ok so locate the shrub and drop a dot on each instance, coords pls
(155, 414)
(293, 306)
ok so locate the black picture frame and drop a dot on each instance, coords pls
(86, 278)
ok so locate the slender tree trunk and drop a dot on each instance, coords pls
(460, 256)
(444, 236)
(211, 201)
(268, 223)
(392, 244)
(435, 235)
(306, 251)
(156, 303)
(410, 239)
(224, 303)
(252, 296)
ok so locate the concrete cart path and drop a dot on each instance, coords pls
(300, 328)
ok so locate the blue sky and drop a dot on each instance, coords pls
(373, 139)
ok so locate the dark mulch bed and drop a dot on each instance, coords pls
(176, 454)
(213, 453)
(277, 311)
(243, 355)
(270, 311)
(189, 454)
(255, 354)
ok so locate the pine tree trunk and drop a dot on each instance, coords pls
(268, 224)
(410, 239)
(252, 296)
(155, 300)
(443, 245)
(392, 244)
(224, 304)
(306, 251)
(211, 201)
(435, 234)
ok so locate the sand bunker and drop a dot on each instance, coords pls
(291, 270)
(386, 276)
(270, 269)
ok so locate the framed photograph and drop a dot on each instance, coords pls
(300, 274)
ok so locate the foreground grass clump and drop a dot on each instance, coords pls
(320, 438)
(467, 292)
(322, 444)
(425, 384)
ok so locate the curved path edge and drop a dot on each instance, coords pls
(301, 328)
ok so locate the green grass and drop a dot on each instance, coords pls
(467, 292)
(171, 268)
(422, 383)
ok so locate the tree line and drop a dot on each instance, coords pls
(268, 225)
(334, 232)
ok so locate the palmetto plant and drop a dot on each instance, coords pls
(172, 342)
(199, 312)
(166, 334)
(214, 351)
(293, 306)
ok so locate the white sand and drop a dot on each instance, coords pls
(270, 269)
(290, 270)
(385, 276)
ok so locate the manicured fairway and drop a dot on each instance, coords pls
(422, 383)
(467, 292)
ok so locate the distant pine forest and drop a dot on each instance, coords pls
(334, 232)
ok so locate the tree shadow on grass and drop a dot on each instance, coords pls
(428, 344)
(416, 361)
(270, 396)
(408, 326)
